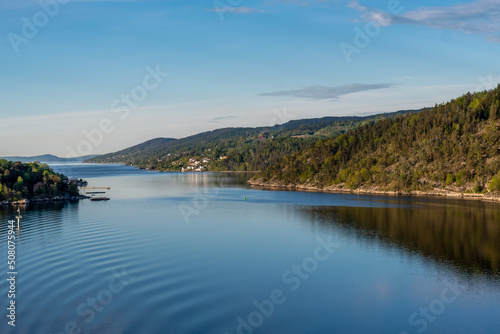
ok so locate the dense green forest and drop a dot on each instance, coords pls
(235, 149)
(31, 180)
(455, 145)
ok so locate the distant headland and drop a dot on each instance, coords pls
(48, 158)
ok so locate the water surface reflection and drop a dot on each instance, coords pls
(463, 234)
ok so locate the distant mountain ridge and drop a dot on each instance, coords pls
(236, 149)
(48, 158)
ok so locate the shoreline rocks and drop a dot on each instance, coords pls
(489, 197)
(62, 198)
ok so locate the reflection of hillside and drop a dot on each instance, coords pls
(466, 236)
(214, 180)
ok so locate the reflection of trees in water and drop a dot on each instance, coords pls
(466, 236)
(7, 210)
(41, 221)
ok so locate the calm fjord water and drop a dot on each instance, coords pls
(203, 253)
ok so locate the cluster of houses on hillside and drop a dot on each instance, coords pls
(196, 165)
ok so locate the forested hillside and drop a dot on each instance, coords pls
(455, 145)
(235, 149)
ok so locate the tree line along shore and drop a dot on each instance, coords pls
(452, 150)
(22, 183)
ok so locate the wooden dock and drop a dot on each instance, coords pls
(99, 199)
(92, 193)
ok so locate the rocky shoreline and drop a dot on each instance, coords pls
(63, 198)
(340, 188)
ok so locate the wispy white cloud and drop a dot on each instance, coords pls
(355, 4)
(494, 38)
(325, 92)
(476, 17)
(219, 119)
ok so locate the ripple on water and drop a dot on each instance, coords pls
(200, 278)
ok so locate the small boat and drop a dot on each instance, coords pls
(99, 199)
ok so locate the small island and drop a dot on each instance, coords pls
(22, 183)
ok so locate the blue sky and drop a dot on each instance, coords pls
(67, 65)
